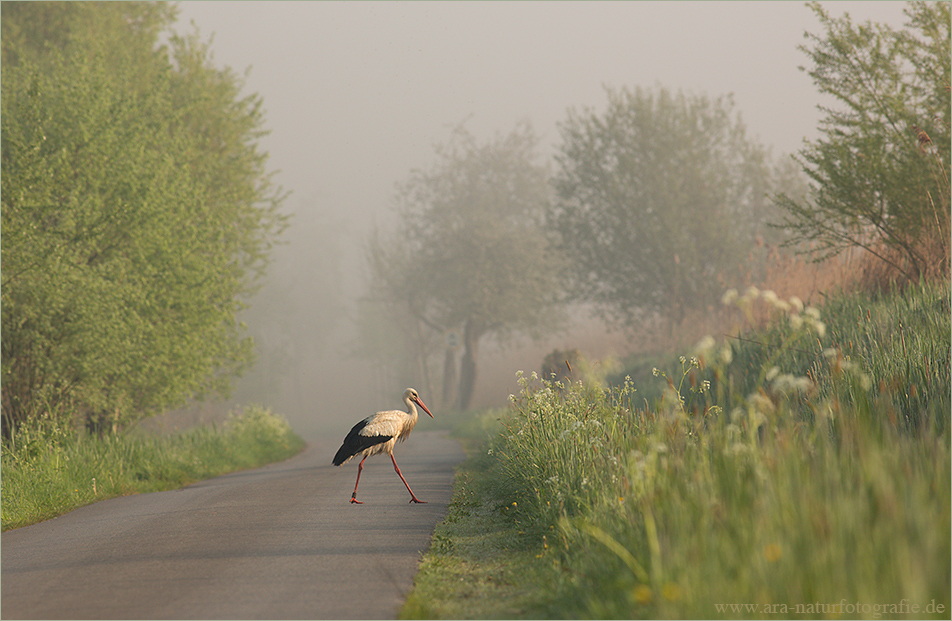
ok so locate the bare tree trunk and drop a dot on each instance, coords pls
(422, 369)
(449, 378)
(467, 371)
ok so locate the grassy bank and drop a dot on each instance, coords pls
(48, 469)
(900, 342)
(801, 472)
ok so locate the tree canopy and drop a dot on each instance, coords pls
(880, 169)
(137, 211)
(659, 199)
(469, 253)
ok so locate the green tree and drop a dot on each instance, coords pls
(880, 169)
(660, 198)
(136, 213)
(470, 253)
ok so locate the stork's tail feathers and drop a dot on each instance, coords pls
(342, 456)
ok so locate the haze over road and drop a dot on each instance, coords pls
(278, 542)
(356, 95)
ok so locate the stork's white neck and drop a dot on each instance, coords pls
(411, 408)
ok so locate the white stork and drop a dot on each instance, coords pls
(378, 434)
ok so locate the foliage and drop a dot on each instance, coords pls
(37, 29)
(902, 343)
(660, 199)
(668, 516)
(136, 213)
(880, 170)
(744, 508)
(472, 255)
(49, 469)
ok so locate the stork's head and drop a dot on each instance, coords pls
(411, 395)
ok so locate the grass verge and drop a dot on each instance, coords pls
(479, 566)
(49, 470)
(806, 478)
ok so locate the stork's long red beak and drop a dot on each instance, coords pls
(420, 403)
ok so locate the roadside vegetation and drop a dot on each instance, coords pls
(138, 214)
(50, 469)
(138, 217)
(805, 465)
(794, 463)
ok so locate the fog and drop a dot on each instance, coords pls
(357, 94)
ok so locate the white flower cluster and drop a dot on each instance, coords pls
(799, 316)
(706, 348)
(852, 369)
(577, 426)
(787, 383)
(643, 468)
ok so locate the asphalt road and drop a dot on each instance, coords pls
(280, 542)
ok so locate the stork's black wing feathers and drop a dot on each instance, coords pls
(354, 443)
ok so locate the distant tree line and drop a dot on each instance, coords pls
(137, 213)
(659, 201)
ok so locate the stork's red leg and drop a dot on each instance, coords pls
(413, 497)
(353, 497)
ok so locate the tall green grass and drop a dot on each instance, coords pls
(49, 469)
(803, 471)
(900, 341)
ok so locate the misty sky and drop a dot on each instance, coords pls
(357, 93)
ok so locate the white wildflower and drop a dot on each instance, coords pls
(704, 346)
(788, 384)
(760, 403)
(803, 383)
(865, 382)
(727, 354)
(737, 448)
